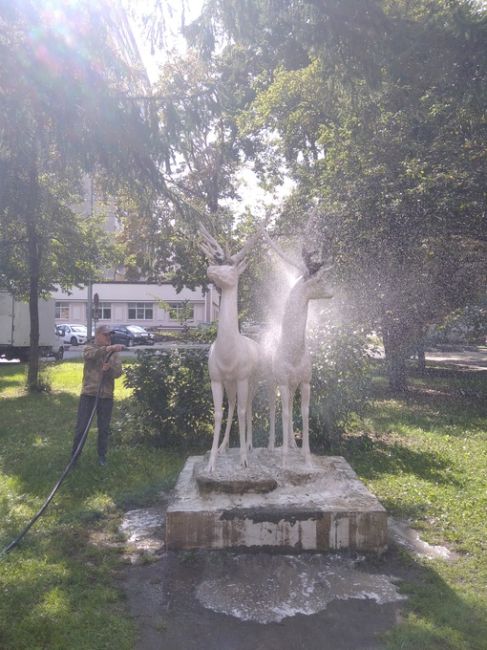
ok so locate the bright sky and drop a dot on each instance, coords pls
(173, 9)
(252, 196)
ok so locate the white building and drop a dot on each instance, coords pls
(139, 303)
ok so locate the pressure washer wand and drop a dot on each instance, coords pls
(66, 471)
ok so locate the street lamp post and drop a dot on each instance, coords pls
(89, 310)
(96, 308)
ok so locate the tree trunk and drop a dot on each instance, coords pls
(33, 371)
(421, 356)
(33, 263)
(395, 351)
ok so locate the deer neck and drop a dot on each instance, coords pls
(228, 317)
(293, 331)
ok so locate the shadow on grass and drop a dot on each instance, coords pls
(36, 433)
(32, 461)
(61, 595)
(436, 617)
(375, 457)
(449, 405)
(5, 383)
(451, 378)
(10, 375)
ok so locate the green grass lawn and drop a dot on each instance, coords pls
(57, 589)
(424, 455)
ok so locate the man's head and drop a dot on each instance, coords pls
(103, 335)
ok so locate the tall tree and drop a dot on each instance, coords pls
(64, 112)
(380, 112)
(198, 149)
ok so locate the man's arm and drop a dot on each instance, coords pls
(114, 364)
(95, 352)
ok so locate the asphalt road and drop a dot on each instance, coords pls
(466, 357)
(76, 351)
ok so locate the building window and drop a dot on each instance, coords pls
(140, 311)
(181, 311)
(105, 310)
(62, 310)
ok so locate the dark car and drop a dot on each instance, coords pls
(131, 335)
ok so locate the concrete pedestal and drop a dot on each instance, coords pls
(319, 508)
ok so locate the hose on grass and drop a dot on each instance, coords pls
(65, 472)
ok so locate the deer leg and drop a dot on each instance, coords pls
(305, 398)
(217, 392)
(232, 398)
(271, 394)
(286, 419)
(292, 437)
(248, 428)
(248, 432)
(242, 400)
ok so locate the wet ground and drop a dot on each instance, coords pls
(218, 600)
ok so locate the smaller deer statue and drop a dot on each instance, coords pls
(291, 361)
(233, 358)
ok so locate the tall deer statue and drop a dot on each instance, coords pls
(291, 361)
(233, 358)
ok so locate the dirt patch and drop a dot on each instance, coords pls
(166, 600)
(222, 600)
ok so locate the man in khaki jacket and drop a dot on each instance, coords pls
(101, 360)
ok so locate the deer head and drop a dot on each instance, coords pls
(317, 285)
(313, 257)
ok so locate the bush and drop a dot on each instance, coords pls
(173, 406)
(340, 384)
(202, 333)
(463, 326)
(172, 398)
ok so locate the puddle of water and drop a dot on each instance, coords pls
(143, 529)
(268, 588)
(401, 533)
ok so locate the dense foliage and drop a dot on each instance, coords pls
(64, 114)
(172, 403)
(340, 384)
(171, 398)
(377, 111)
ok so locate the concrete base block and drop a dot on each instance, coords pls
(319, 508)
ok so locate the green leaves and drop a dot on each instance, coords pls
(172, 398)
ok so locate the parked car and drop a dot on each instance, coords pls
(61, 346)
(131, 335)
(72, 333)
(142, 336)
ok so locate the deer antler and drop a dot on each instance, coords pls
(301, 267)
(238, 257)
(314, 247)
(210, 247)
(215, 253)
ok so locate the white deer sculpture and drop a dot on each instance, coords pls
(233, 358)
(291, 361)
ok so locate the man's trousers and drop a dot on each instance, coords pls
(103, 416)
